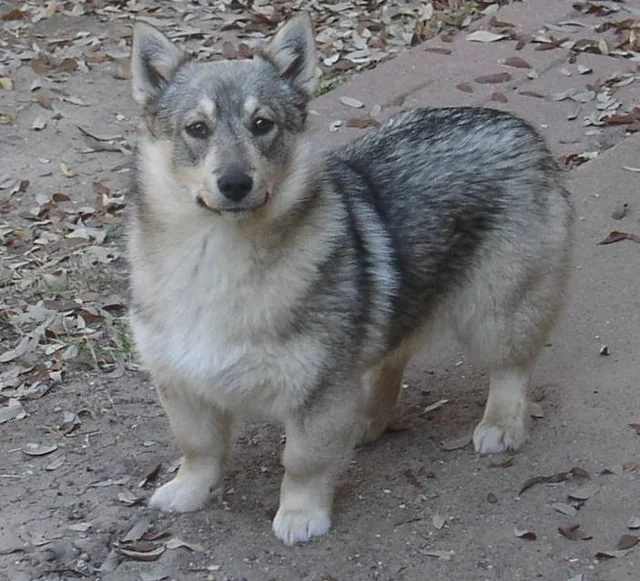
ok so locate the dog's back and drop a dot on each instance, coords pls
(458, 194)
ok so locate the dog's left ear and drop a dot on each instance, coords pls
(293, 52)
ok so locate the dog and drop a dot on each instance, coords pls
(272, 279)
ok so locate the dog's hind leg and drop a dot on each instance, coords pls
(203, 433)
(504, 320)
(382, 385)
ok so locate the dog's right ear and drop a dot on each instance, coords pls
(154, 60)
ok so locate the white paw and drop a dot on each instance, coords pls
(181, 495)
(298, 526)
(497, 437)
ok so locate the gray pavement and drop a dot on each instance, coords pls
(407, 509)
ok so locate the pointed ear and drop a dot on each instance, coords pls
(154, 60)
(293, 52)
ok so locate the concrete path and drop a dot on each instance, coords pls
(410, 508)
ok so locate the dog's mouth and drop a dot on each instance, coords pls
(237, 210)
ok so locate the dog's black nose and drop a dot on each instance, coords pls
(235, 185)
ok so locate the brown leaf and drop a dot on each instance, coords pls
(554, 478)
(44, 100)
(413, 479)
(15, 14)
(525, 534)
(532, 94)
(122, 69)
(68, 65)
(499, 97)
(438, 50)
(574, 533)
(506, 463)
(617, 236)
(362, 122)
(493, 79)
(626, 542)
(39, 67)
(516, 62)
(229, 51)
(636, 427)
(245, 51)
(141, 551)
(492, 498)
(464, 87)
(150, 474)
(620, 119)
(602, 555)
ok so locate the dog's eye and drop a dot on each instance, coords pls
(198, 130)
(261, 126)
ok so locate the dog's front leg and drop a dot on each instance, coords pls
(319, 444)
(203, 433)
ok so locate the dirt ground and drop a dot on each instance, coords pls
(84, 442)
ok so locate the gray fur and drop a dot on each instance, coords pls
(304, 303)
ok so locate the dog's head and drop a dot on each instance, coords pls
(224, 133)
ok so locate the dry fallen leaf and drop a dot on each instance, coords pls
(499, 97)
(620, 211)
(438, 521)
(176, 543)
(517, 63)
(554, 478)
(534, 94)
(142, 551)
(616, 236)
(492, 498)
(362, 122)
(525, 534)
(506, 463)
(464, 87)
(151, 474)
(585, 492)
(493, 79)
(435, 406)
(137, 530)
(6, 83)
(443, 555)
(634, 523)
(626, 542)
(39, 449)
(602, 555)
(351, 102)
(55, 463)
(574, 533)
(485, 36)
(456, 443)
(12, 411)
(66, 170)
(565, 508)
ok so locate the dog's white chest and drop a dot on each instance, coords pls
(214, 329)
